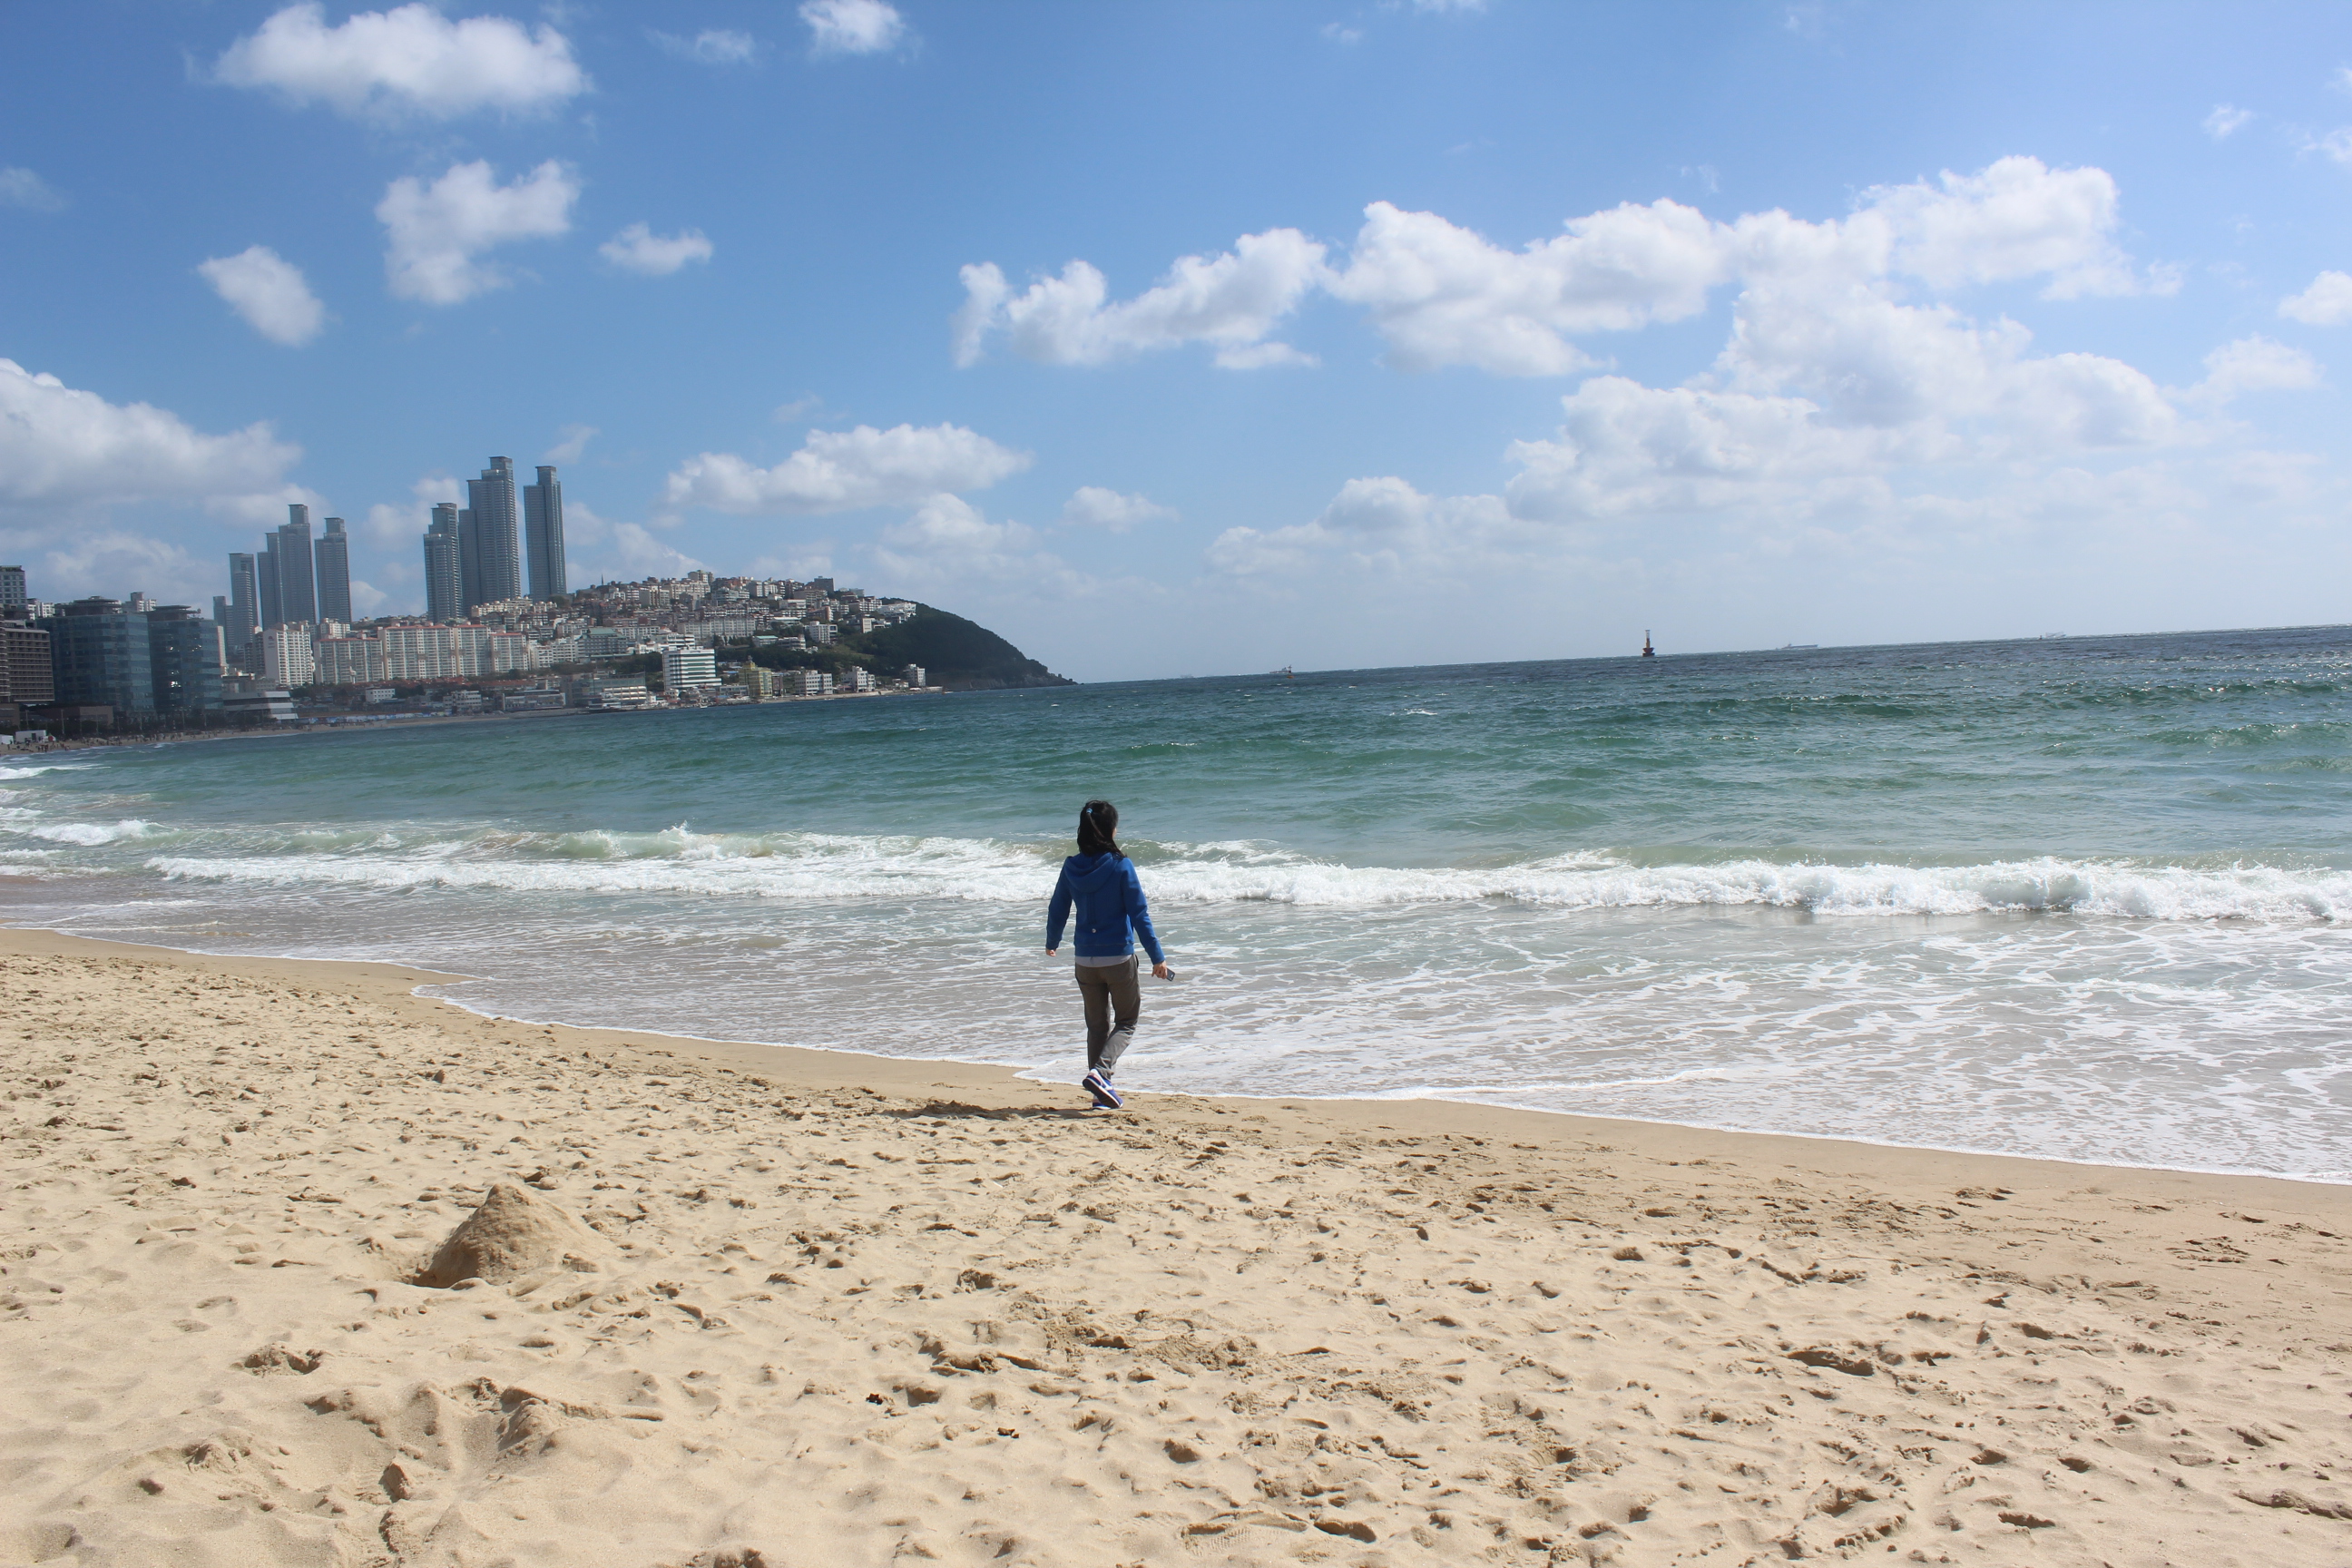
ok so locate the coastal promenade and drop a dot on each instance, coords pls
(762, 1305)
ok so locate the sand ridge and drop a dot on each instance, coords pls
(952, 1319)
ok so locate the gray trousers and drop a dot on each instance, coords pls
(1110, 990)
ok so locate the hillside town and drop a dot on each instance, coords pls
(283, 645)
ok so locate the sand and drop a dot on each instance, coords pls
(737, 1305)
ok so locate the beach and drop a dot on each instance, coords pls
(748, 1304)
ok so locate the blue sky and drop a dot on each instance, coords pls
(1184, 339)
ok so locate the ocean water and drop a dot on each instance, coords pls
(2088, 899)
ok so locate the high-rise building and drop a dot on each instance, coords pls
(285, 658)
(444, 585)
(542, 512)
(25, 658)
(12, 589)
(265, 585)
(100, 656)
(182, 652)
(488, 549)
(297, 596)
(244, 618)
(334, 556)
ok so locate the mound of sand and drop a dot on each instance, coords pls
(511, 1235)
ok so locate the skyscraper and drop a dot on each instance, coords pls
(334, 555)
(297, 596)
(542, 511)
(265, 582)
(12, 590)
(244, 603)
(487, 552)
(444, 569)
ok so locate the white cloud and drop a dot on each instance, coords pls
(24, 188)
(711, 46)
(638, 249)
(604, 549)
(2255, 364)
(269, 292)
(65, 452)
(2336, 145)
(367, 599)
(2327, 304)
(438, 233)
(948, 541)
(403, 527)
(117, 565)
(575, 442)
(851, 27)
(1342, 34)
(1443, 7)
(798, 409)
(846, 471)
(2226, 121)
(1092, 505)
(1443, 295)
(1381, 523)
(408, 61)
(1233, 302)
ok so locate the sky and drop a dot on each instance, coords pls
(1197, 338)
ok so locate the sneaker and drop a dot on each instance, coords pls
(1096, 1084)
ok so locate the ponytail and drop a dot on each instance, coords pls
(1097, 826)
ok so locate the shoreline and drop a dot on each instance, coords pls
(1451, 1113)
(732, 1306)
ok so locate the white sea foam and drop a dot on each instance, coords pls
(838, 866)
(94, 833)
(27, 771)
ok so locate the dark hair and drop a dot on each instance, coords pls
(1098, 822)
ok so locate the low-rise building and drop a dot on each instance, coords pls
(811, 683)
(685, 668)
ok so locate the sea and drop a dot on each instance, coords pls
(2087, 898)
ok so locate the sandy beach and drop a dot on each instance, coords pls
(742, 1305)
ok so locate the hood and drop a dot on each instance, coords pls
(1091, 873)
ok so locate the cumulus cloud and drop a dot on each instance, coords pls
(269, 292)
(65, 452)
(408, 62)
(24, 188)
(2226, 122)
(1233, 302)
(948, 541)
(846, 471)
(711, 46)
(2327, 304)
(1092, 505)
(437, 234)
(1443, 295)
(1381, 523)
(638, 250)
(118, 563)
(851, 27)
(2255, 364)
(401, 526)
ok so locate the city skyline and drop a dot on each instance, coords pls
(1170, 337)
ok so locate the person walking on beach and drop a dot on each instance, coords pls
(1101, 883)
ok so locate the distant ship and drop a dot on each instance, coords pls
(1284, 672)
(1647, 651)
(1786, 645)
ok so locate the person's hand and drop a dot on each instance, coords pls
(1050, 951)
(1158, 972)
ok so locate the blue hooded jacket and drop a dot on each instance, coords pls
(1109, 898)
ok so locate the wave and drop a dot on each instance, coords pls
(820, 867)
(27, 771)
(92, 834)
